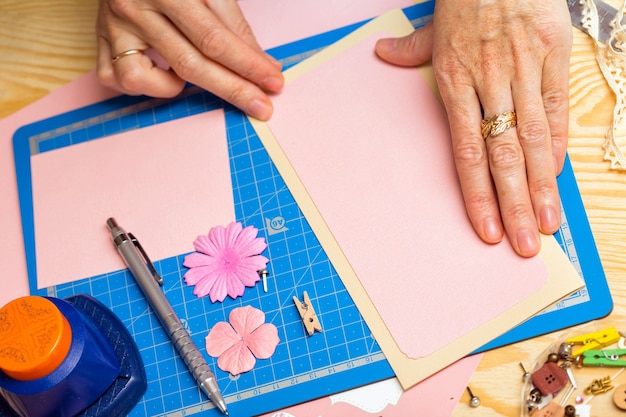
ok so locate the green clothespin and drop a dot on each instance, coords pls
(607, 357)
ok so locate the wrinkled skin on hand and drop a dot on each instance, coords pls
(205, 42)
(491, 57)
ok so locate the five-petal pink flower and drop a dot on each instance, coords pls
(237, 345)
(226, 261)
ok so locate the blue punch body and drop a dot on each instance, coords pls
(99, 358)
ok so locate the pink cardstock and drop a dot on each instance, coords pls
(165, 183)
(270, 32)
(278, 22)
(81, 92)
(428, 395)
(436, 396)
(370, 143)
(263, 16)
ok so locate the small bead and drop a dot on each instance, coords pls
(535, 395)
(565, 351)
(580, 399)
(474, 400)
(553, 357)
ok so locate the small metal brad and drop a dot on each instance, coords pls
(307, 313)
(526, 376)
(474, 400)
(565, 351)
(599, 386)
(264, 273)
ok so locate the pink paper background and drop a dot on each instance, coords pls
(276, 22)
(436, 396)
(272, 22)
(165, 183)
(370, 142)
(86, 90)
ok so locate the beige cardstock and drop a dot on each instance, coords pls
(429, 292)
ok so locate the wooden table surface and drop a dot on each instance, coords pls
(45, 44)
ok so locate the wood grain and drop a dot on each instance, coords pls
(44, 44)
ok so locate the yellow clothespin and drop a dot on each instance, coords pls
(594, 340)
(307, 313)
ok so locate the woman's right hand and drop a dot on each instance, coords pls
(205, 42)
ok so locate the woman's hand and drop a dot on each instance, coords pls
(490, 58)
(205, 42)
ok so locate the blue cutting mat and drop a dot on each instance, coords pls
(302, 367)
(344, 355)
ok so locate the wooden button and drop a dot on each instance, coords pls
(552, 409)
(619, 397)
(550, 378)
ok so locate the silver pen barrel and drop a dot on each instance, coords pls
(181, 339)
(196, 364)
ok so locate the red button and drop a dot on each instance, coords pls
(550, 378)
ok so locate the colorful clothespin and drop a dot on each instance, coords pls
(607, 357)
(307, 313)
(594, 340)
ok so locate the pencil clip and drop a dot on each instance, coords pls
(594, 340)
(147, 260)
(307, 313)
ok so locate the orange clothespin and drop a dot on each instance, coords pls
(307, 313)
(594, 340)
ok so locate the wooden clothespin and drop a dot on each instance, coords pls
(594, 341)
(606, 357)
(307, 313)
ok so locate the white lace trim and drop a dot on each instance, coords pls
(612, 60)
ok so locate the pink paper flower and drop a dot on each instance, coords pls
(226, 261)
(239, 344)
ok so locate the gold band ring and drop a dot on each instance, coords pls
(498, 124)
(126, 53)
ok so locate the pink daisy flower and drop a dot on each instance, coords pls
(226, 261)
(238, 344)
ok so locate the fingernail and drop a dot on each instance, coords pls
(273, 83)
(549, 220)
(386, 44)
(527, 243)
(492, 230)
(260, 109)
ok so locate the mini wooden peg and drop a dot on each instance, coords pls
(307, 313)
(595, 340)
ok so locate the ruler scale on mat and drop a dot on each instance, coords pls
(344, 355)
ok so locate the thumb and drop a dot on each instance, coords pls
(412, 50)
